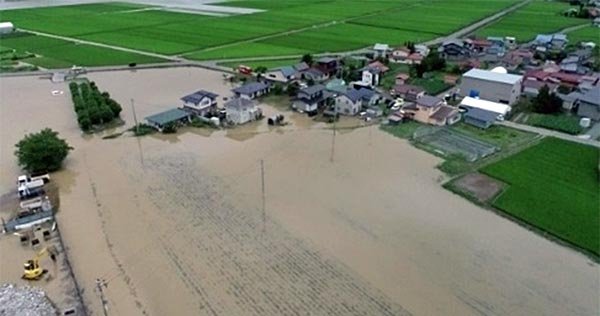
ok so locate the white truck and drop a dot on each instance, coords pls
(22, 179)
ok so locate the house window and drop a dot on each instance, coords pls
(503, 101)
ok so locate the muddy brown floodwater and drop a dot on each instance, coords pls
(175, 223)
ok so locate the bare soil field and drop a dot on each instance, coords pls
(174, 223)
(480, 186)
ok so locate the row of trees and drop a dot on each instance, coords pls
(92, 106)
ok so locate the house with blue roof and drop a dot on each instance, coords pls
(285, 74)
(200, 102)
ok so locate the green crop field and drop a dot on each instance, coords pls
(586, 34)
(554, 186)
(439, 18)
(535, 18)
(54, 53)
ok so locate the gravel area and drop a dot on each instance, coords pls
(24, 301)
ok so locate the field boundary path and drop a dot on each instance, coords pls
(79, 41)
(479, 24)
(547, 132)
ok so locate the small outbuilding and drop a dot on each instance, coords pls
(480, 118)
(6, 28)
(173, 116)
(500, 109)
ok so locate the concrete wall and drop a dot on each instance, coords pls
(491, 91)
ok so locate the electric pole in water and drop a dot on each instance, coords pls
(262, 178)
(100, 283)
(334, 131)
(137, 126)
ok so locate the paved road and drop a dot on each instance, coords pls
(545, 132)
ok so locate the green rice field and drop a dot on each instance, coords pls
(586, 34)
(553, 186)
(537, 17)
(285, 27)
(54, 53)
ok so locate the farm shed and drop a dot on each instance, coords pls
(491, 85)
(480, 118)
(6, 28)
(173, 116)
(500, 109)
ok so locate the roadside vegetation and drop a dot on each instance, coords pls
(553, 186)
(94, 109)
(42, 152)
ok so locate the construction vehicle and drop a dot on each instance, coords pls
(32, 269)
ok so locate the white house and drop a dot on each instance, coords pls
(371, 76)
(381, 50)
(241, 110)
(200, 102)
(281, 74)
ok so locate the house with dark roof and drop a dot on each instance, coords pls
(408, 92)
(200, 102)
(480, 118)
(531, 88)
(310, 99)
(315, 75)
(173, 116)
(252, 90)
(353, 100)
(241, 110)
(588, 104)
(432, 110)
(284, 75)
(454, 49)
(300, 67)
(328, 65)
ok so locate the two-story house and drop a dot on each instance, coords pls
(310, 99)
(200, 102)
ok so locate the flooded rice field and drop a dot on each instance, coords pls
(175, 223)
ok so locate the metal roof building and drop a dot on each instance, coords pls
(492, 86)
(499, 108)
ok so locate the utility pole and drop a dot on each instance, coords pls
(100, 283)
(262, 178)
(334, 132)
(137, 126)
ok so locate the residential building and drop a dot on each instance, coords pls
(408, 92)
(315, 75)
(310, 99)
(328, 65)
(432, 110)
(252, 90)
(353, 100)
(494, 86)
(200, 102)
(400, 54)
(588, 104)
(531, 88)
(371, 76)
(422, 50)
(284, 75)
(241, 110)
(402, 78)
(174, 116)
(454, 49)
(381, 50)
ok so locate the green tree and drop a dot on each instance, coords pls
(43, 151)
(546, 102)
(308, 59)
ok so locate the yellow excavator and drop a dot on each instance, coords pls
(32, 270)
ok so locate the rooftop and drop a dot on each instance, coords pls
(492, 76)
(251, 87)
(197, 96)
(499, 108)
(168, 116)
(312, 89)
(482, 115)
(444, 112)
(429, 101)
(239, 104)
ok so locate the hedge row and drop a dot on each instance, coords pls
(92, 106)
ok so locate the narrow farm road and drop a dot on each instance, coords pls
(546, 132)
(79, 41)
(479, 24)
